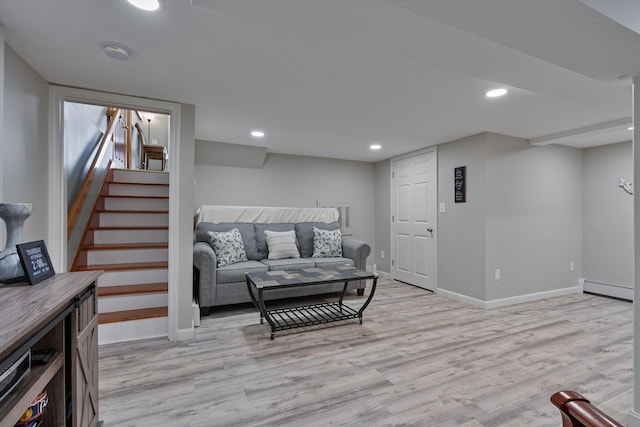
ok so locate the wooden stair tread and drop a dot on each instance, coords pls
(156, 184)
(132, 227)
(128, 266)
(108, 196)
(138, 314)
(124, 246)
(131, 211)
(109, 291)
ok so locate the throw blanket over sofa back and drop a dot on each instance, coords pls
(218, 214)
(221, 283)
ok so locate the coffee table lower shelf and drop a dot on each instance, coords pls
(310, 315)
(281, 319)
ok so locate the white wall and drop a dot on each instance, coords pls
(184, 158)
(534, 217)
(159, 129)
(294, 181)
(608, 215)
(523, 215)
(89, 123)
(382, 216)
(24, 149)
(462, 228)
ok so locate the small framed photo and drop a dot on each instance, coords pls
(35, 261)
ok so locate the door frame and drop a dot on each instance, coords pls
(57, 226)
(393, 214)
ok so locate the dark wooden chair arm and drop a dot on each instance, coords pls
(577, 411)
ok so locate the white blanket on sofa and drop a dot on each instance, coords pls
(262, 214)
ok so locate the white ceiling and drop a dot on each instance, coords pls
(327, 78)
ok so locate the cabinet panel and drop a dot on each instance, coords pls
(58, 313)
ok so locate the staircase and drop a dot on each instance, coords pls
(128, 239)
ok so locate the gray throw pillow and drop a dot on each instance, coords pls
(261, 238)
(282, 244)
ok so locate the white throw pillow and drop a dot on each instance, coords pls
(282, 244)
(228, 247)
(326, 243)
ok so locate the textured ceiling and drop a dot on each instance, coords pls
(328, 78)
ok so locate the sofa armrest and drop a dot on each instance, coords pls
(204, 259)
(357, 250)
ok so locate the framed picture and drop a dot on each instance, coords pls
(459, 184)
(35, 261)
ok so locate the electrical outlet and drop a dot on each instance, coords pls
(498, 274)
(381, 254)
(572, 266)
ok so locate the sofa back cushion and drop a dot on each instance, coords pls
(246, 229)
(261, 238)
(304, 234)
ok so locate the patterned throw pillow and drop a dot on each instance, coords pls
(326, 243)
(282, 244)
(228, 247)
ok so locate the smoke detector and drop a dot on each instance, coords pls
(116, 51)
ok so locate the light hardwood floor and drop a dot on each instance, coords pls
(419, 359)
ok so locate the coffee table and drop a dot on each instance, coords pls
(281, 319)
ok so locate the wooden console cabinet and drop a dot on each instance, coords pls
(60, 313)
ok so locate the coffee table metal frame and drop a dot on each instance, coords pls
(281, 319)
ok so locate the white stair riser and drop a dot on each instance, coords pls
(122, 175)
(106, 237)
(124, 256)
(137, 190)
(136, 204)
(133, 277)
(113, 219)
(132, 330)
(132, 302)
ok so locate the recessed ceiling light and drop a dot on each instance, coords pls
(375, 146)
(630, 128)
(257, 134)
(149, 5)
(496, 93)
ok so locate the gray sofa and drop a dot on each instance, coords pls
(226, 285)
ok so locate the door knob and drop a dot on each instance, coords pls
(430, 230)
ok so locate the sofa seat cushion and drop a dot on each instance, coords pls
(235, 272)
(288, 263)
(333, 262)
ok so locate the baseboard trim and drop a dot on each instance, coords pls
(462, 298)
(634, 419)
(503, 302)
(185, 334)
(132, 330)
(384, 275)
(608, 289)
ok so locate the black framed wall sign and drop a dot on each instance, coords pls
(459, 184)
(35, 261)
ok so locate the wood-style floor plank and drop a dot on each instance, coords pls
(419, 359)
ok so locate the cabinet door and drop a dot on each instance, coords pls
(84, 375)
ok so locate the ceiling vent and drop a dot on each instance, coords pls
(116, 51)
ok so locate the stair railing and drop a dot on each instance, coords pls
(84, 203)
(577, 411)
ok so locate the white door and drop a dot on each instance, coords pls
(413, 213)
